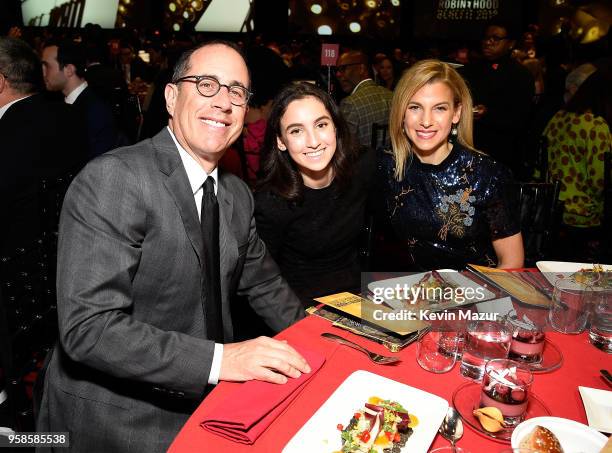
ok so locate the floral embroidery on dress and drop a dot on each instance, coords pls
(467, 170)
(398, 199)
(456, 213)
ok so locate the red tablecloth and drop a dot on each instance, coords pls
(558, 389)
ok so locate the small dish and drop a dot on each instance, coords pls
(320, 434)
(466, 398)
(598, 408)
(573, 436)
(554, 270)
(552, 358)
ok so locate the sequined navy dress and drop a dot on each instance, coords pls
(447, 215)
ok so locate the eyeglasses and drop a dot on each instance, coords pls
(494, 38)
(209, 86)
(343, 67)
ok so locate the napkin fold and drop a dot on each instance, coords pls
(247, 412)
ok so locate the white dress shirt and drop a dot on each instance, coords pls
(197, 176)
(74, 94)
(5, 107)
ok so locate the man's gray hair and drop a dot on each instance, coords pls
(20, 65)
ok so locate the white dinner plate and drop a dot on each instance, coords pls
(574, 437)
(598, 407)
(321, 435)
(554, 270)
(451, 275)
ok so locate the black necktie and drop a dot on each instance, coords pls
(211, 262)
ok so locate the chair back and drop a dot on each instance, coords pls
(541, 163)
(366, 243)
(28, 324)
(28, 312)
(380, 134)
(540, 216)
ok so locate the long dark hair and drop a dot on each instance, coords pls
(280, 173)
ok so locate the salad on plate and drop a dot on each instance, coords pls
(381, 426)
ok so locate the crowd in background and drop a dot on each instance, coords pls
(513, 103)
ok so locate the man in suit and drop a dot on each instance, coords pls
(503, 91)
(37, 142)
(64, 70)
(367, 102)
(136, 349)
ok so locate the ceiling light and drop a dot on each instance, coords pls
(324, 30)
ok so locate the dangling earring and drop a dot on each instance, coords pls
(454, 130)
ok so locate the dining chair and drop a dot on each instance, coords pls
(366, 243)
(28, 325)
(380, 133)
(541, 160)
(28, 313)
(540, 215)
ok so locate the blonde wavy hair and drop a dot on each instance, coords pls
(422, 73)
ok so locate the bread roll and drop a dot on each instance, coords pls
(541, 440)
(608, 447)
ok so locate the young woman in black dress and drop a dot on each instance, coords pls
(310, 204)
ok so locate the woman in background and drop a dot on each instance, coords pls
(310, 204)
(450, 204)
(578, 137)
(387, 73)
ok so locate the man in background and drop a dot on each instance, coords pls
(64, 70)
(503, 90)
(367, 102)
(39, 140)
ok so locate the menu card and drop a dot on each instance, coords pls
(389, 340)
(380, 316)
(521, 284)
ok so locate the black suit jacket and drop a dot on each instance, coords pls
(39, 139)
(506, 88)
(102, 134)
(135, 358)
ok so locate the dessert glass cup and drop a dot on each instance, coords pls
(506, 385)
(527, 343)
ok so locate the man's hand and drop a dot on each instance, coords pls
(264, 359)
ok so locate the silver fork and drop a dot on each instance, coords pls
(376, 358)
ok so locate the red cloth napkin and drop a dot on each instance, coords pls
(248, 411)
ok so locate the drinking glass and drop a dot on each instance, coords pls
(600, 333)
(569, 309)
(506, 385)
(485, 340)
(437, 351)
(527, 340)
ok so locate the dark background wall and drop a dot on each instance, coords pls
(10, 14)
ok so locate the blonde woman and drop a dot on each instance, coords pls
(450, 204)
